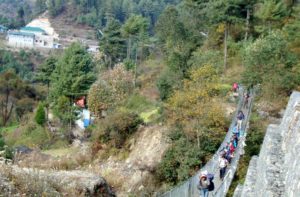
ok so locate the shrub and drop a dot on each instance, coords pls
(40, 116)
(117, 127)
(166, 83)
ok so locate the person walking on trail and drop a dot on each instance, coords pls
(223, 165)
(203, 184)
(235, 87)
(240, 118)
(246, 99)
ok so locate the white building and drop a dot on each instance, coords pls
(30, 37)
(21, 39)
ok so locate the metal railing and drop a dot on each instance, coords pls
(189, 187)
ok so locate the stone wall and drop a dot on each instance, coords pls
(276, 172)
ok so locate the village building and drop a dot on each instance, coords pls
(30, 37)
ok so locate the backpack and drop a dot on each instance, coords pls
(210, 177)
(211, 186)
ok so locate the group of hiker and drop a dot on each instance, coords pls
(206, 184)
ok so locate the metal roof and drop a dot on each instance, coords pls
(17, 33)
(35, 29)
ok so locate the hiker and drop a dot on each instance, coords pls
(240, 118)
(235, 140)
(235, 130)
(203, 184)
(246, 99)
(235, 87)
(223, 165)
(231, 147)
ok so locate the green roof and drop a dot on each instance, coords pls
(17, 33)
(35, 29)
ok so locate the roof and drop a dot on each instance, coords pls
(35, 29)
(17, 33)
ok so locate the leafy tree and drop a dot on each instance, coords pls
(111, 43)
(194, 108)
(269, 63)
(178, 43)
(111, 89)
(40, 116)
(224, 13)
(12, 89)
(134, 28)
(45, 71)
(117, 127)
(272, 12)
(55, 6)
(40, 6)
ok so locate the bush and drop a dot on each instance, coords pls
(117, 128)
(166, 84)
(40, 116)
(181, 160)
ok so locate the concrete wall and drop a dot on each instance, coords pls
(276, 172)
(20, 41)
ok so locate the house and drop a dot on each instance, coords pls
(30, 37)
(3, 29)
(20, 39)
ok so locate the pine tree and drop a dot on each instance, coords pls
(40, 117)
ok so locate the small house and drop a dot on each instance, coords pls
(20, 39)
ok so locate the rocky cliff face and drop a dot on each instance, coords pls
(276, 172)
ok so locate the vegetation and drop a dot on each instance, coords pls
(199, 47)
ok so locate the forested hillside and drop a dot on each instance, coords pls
(165, 71)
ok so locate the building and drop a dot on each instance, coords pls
(20, 39)
(30, 37)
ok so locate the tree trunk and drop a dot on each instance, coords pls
(247, 23)
(198, 139)
(135, 68)
(129, 48)
(225, 46)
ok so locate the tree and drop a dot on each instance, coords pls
(272, 12)
(224, 13)
(195, 107)
(134, 28)
(113, 87)
(12, 89)
(40, 6)
(71, 78)
(55, 6)
(270, 63)
(111, 43)
(73, 74)
(40, 116)
(45, 70)
(178, 41)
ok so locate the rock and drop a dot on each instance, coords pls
(78, 182)
(76, 143)
(141, 188)
(275, 172)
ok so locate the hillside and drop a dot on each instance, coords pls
(174, 87)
